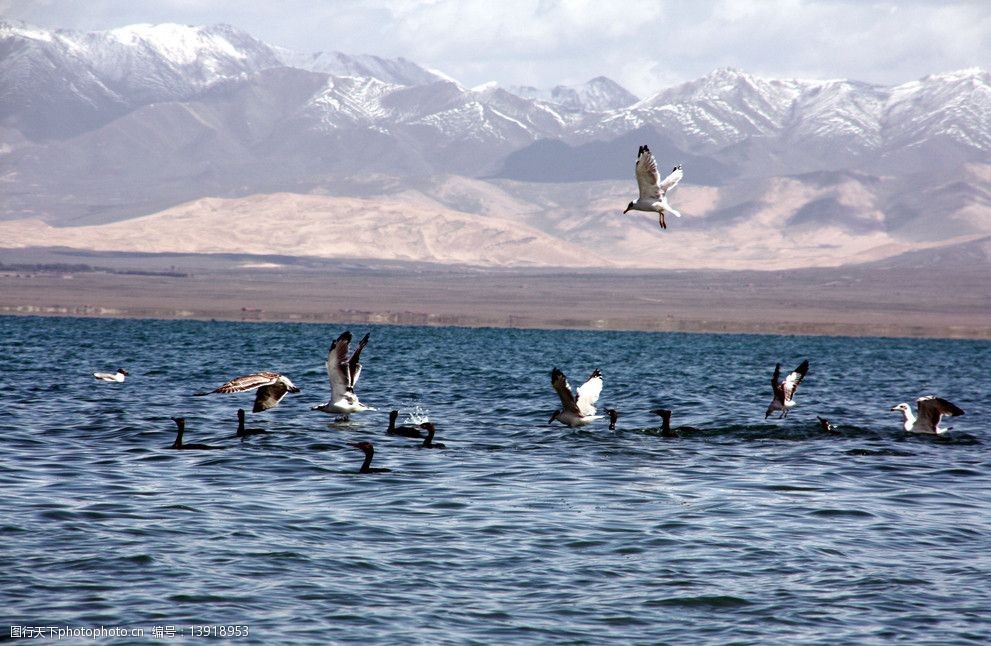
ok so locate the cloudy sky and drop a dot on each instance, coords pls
(644, 44)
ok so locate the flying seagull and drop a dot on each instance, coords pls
(272, 387)
(580, 410)
(343, 373)
(784, 391)
(931, 411)
(112, 376)
(653, 192)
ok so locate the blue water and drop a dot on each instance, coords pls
(518, 532)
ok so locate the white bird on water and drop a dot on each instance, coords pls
(784, 391)
(112, 376)
(343, 373)
(272, 387)
(653, 192)
(580, 410)
(931, 411)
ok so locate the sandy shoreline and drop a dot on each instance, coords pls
(849, 301)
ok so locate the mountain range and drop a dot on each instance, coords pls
(132, 126)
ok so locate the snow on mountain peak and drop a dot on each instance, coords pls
(180, 44)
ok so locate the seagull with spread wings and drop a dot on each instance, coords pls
(272, 387)
(579, 408)
(931, 411)
(653, 192)
(784, 391)
(343, 373)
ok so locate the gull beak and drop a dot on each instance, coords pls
(894, 408)
(626, 210)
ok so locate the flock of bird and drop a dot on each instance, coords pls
(577, 408)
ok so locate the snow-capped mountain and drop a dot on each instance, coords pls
(837, 121)
(397, 71)
(101, 126)
(597, 95)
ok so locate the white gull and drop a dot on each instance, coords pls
(931, 411)
(784, 391)
(343, 373)
(653, 192)
(580, 410)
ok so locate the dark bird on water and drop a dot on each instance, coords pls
(825, 424)
(428, 441)
(245, 432)
(405, 431)
(613, 416)
(366, 466)
(180, 423)
(666, 430)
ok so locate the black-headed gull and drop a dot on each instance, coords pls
(931, 411)
(112, 376)
(580, 410)
(343, 373)
(653, 192)
(272, 387)
(784, 391)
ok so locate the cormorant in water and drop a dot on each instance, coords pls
(613, 415)
(180, 422)
(245, 432)
(369, 453)
(405, 431)
(825, 424)
(428, 441)
(666, 426)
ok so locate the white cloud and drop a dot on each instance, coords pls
(643, 44)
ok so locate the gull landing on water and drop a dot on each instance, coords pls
(653, 192)
(784, 391)
(272, 387)
(931, 411)
(343, 373)
(112, 376)
(581, 410)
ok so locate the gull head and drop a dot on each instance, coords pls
(902, 407)
(628, 207)
(554, 416)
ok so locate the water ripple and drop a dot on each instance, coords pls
(747, 531)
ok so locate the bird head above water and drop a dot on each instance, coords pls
(554, 416)
(613, 416)
(628, 208)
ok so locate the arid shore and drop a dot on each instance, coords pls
(864, 300)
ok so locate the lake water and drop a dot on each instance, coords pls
(750, 531)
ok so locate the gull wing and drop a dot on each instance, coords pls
(246, 382)
(647, 178)
(338, 368)
(563, 388)
(790, 384)
(588, 393)
(671, 180)
(775, 378)
(353, 364)
(270, 396)
(932, 409)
